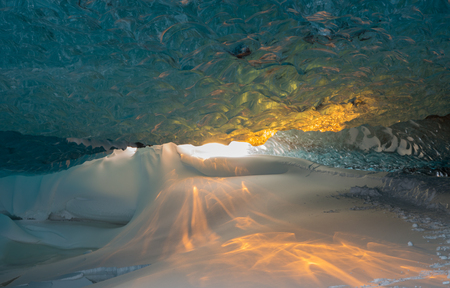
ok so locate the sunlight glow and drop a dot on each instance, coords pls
(131, 150)
(212, 150)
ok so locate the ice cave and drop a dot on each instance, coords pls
(224, 143)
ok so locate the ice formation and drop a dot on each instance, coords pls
(195, 71)
(342, 181)
(421, 146)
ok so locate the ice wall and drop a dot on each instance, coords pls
(191, 71)
(27, 154)
(420, 146)
(412, 147)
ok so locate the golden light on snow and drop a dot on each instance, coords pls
(310, 263)
(213, 243)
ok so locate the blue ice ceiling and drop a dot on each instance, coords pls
(199, 71)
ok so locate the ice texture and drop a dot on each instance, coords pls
(27, 154)
(413, 147)
(194, 71)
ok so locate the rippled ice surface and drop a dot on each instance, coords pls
(194, 71)
(421, 146)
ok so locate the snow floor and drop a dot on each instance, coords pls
(163, 216)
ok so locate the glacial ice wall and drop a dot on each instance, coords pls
(196, 71)
(27, 154)
(421, 146)
(412, 147)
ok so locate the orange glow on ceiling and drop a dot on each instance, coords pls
(261, 137)
(329, 118)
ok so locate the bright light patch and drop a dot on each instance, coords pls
(212, 150)
(131, 150)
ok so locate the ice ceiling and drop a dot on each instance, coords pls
(204, 71)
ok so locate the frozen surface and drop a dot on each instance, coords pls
(192, 71)
(28, 154)
(414, 147)
(419, 147)
(172, 219)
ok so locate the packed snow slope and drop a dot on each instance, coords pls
(201, 71)
(178, 216)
